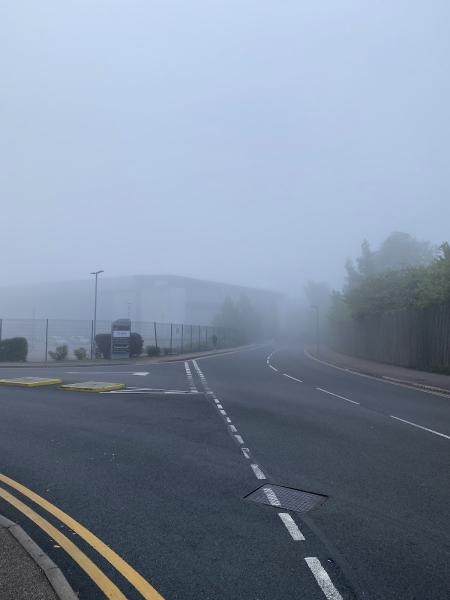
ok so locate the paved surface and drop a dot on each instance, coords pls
(20, 577)
(160, 472)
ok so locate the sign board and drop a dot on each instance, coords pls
(120, 338)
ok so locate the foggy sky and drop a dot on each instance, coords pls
(253, 142)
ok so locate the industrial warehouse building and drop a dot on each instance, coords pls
(163, 298)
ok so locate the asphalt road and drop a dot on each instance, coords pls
(160, 473)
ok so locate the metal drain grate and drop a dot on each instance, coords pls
(287, 498)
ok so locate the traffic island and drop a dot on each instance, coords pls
(30, 381)
(93, 386)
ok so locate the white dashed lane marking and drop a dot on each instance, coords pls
(246, 452)
(257, 471)
(323, 579)
(292, 527)
(271, 496)
(336, 395)
(321, 576)
(422, 427)
(293, 378)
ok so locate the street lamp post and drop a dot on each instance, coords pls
(316, 308)
(94, 323)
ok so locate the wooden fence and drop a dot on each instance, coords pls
(415, 338)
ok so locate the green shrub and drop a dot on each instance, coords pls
(152, 350)
(136, 344)
(103, 344)
(60, 352)
(80, 353)
(14, 349)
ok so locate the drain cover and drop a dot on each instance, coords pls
(287, 498)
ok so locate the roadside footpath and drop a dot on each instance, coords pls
(432, 382)
(26, 572)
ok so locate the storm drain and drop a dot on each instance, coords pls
(287, 498)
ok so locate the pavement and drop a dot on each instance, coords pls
(148, 491)
(23, 575)
(412, 377)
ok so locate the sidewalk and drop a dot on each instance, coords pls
(421, 379)
(25, 571)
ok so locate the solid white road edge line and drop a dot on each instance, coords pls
(257, 471)
(337, 395)
(294, 378)
(322, 578)
(292, 527)
(421, 427)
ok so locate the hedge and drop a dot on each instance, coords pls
(14, 349)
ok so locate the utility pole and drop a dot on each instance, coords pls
(94, 326)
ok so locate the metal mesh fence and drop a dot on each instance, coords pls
(45, 335)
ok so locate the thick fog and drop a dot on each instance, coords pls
(253, 142)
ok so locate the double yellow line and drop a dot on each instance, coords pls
(105, 584)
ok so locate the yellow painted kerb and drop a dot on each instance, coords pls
(30, 381)
(93, 386)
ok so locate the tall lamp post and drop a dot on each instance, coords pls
(94, 323)
(316, 308)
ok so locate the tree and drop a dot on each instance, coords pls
(401, 250)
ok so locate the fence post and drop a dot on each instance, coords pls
(1, 325)
(199, 336)
(171, 338)
(46, 340)
(92, 340)
(182, 337)
(206, 336)
(156, 337)
(191, 337)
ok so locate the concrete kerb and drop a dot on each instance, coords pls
(429, 389)
(54, 575)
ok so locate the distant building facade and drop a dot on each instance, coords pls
(163, 298)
